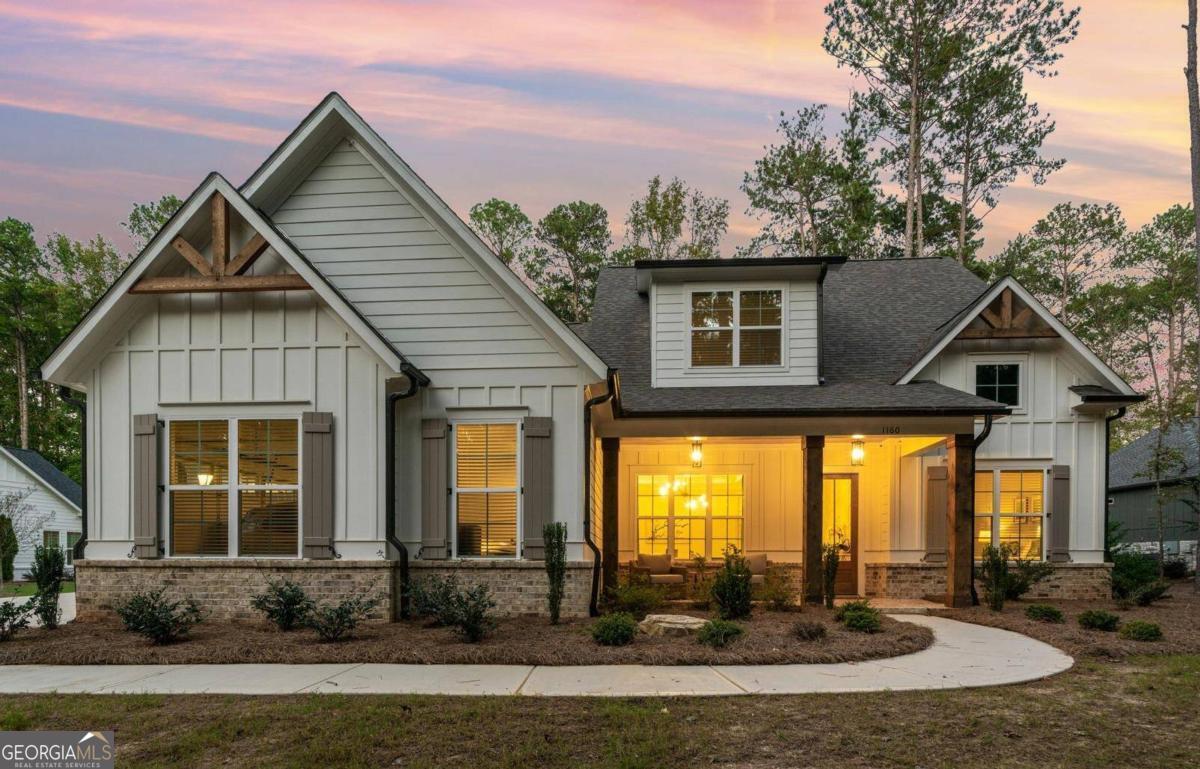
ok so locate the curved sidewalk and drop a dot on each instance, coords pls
(962, 655)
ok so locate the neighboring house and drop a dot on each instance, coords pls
(1133, 497)
(324, 375)
(52, 495)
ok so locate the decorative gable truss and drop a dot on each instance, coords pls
(1007, 317)
(221, 273)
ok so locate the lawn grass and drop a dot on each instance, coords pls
(17, 589)
(1139, 712)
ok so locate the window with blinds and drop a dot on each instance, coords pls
(485, 489)
(199, 487)
(1010, 511)
(736, 328)
(268, 488)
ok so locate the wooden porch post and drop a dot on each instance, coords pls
(960, 518)
(609, 547)
(814, 474)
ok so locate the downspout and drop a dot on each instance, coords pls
(389, 462)
(1107, 438)
(79, 405)
(987, 430)
(594, 600)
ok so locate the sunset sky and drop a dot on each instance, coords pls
(107, 103)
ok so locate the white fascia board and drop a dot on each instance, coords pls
(1047, 317)
(40, 481)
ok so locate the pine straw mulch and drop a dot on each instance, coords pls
(1178, 615)
(768, 640)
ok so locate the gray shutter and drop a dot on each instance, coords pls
(936, 499)
(145, 486)
(316, 483)
(1060, 513)
(537, 484)
(435, 490)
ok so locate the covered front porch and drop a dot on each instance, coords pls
(897, 495)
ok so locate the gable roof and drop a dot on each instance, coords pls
(58, 482)
(328, 124)
(949, 330)
(115, 302)
(1127, 466)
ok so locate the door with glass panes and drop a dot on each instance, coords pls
(839, 526)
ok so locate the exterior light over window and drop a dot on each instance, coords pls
(697, 452)
(858, 451)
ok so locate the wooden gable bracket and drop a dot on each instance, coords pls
(223, 273)
(1003, 323)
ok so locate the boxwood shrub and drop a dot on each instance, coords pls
(1096, 619)
(1138, 630)
(616, 629)
(1041, 612)
(719, 633)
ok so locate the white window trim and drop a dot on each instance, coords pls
(995, 468)
(519, 489)
(1021, 360)
(736, 328)
(231, 487)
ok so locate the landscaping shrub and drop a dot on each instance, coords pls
(700, 581)
(830, 556)
(1131, 572)
(1041, 612)
(614, 629)
(863, 618)
(1024, 574)
(1137, 630)
(49, 565)
(554, 538)
(635, 598)
(472, 613)
(719, 633)
(809, 631)
(777, 591)
(9, 546)
(1096, 619)
(731, 586)
(1148, 594)
(1175, 568)
(993, 575)
(839, 614)
(13, 617)
(160, 620)
(335, 622)
(433, 598)
(285, 604)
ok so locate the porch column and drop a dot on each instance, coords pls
(609, 548)
(960, 519)
(814, 475)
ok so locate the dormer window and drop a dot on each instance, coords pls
(737, 328)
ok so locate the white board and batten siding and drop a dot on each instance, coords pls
(218, 356)
(1045, 431)
(451, 318)
(670, 331)
(15, 478)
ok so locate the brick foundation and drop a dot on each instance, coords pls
(1070, 581)
(224, 587)
(518, 587)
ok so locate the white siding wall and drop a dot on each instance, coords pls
(479, 346)
(238, 355)
(670, 329)
(1048, 432)
(14, 478)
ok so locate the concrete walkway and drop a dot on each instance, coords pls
(962, 655)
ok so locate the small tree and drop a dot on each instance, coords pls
(555, 537)
(731, 586)
(831, 555)
(8, 549)
(47, 572)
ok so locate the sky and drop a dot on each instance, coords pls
(103, 104)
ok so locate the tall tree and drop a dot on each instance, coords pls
(26, 310)
(1193, 88)
(504, 227)
(146, 219)
(674, 221)
(571, 244)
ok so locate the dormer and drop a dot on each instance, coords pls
(734, 322)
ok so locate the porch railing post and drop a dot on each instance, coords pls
(960, 518)
(814, 474)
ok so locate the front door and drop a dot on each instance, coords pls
(839, 525)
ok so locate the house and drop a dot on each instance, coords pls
(1133, 497)
(323, 374)
(52, 498)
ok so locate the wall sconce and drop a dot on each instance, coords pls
(858, 450)
(697, 452)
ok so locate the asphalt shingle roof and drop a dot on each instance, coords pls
(877, 318)
(1129, 465)
(50, 474)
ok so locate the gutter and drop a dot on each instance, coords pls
(1108, 420)
(594, 598)
(79, 405)
(389, 463)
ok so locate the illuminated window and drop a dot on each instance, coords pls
(984, 511)
(737, 328)
(690, 515)
(486, 490)
(199, 487)
(1010, 511)
(268, 488)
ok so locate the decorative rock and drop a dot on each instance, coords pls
(670, 624)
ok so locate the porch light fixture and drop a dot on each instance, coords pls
(858, 450)
(697, 452)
